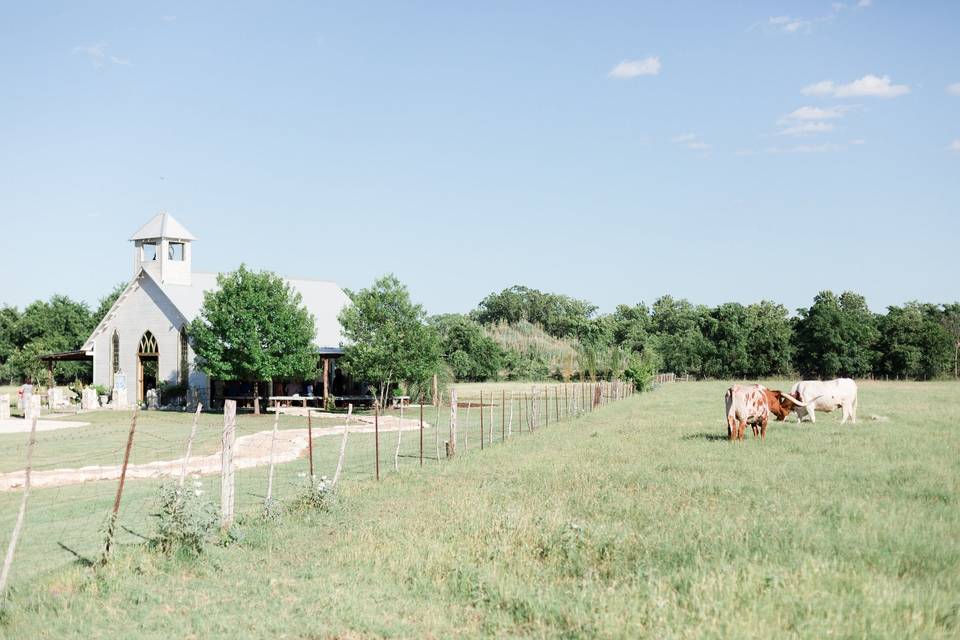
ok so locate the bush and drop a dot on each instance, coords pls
(314, 494)
(185, 519)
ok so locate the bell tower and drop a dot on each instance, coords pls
(162, 248)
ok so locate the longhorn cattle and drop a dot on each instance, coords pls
(753, 405)
(826, 395)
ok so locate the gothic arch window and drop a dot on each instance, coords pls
(148, 345)
(184, 356)
(114, 355)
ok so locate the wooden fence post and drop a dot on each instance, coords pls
(490, 430)
(273, 444)
(310, 441)
(452, 443)
(193, 432)
(503, 415)
(326, 395)
(226, 463)
(343, 446)
(376, 435)
(18, 525)
(396, 454)
(436, 427)
(123, 477)
(422, 400)
(466, 428)
(481, 420)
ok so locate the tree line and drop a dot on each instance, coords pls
(393, 340)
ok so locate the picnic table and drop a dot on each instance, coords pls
(399, 401)
(289, 400)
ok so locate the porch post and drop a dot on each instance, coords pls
(326, 380)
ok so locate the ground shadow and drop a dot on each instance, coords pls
(82, 560)
(704, 435)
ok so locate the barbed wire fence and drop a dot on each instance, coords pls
(78, 495)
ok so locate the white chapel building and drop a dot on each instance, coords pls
(142, 341)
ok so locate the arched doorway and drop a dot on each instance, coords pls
(148, 361)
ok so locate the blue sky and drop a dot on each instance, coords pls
(610, 151)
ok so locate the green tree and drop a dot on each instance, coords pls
(253, 327)
(469, 352)
(914, 342)
(950, 320)
(727, 329)
(103, 307)
(60, 324)
(561, 316)
(389, 340)
(836, 336)
(769, 340)
(679, 338)
(9, 317)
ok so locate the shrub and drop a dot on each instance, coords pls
(313, 495)
(185, 520)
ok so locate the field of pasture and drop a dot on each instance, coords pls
(636, 520)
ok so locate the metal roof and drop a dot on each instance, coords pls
(163, 225)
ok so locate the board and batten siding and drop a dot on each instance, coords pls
(145, 308)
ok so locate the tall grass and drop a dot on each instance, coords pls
(637, 520)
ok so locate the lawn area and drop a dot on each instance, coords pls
(637, 520)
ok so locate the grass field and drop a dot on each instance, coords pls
(638, 520)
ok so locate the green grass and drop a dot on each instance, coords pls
(638, 520)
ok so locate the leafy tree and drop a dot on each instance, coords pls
(470, 353)
(561, 316)
(950, 320)
(60, 324)
(253, 327)
(836, 336)
(914, 342)
(679, 339)
(103, 307)
(727, 329)
(769, 340)
(9, 317)
(388, 338)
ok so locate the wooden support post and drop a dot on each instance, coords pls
(437, 399)
(343, 446)
(273, 446)
(436, 427)
(111, 525)
(193, 433)
(546, 406)
(556, 401)
(466, 428)
(21, 514)
(503, 415)
(490, 430)
(326, 394)
(452, 443)
(310, 437)
(396, 454)
(226, 463)
(422, 400)
(481, 420)
(376, 435)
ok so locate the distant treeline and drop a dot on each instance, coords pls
(837, 335)
(525, 334)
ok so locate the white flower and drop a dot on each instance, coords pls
(197, 483)
(198, 492)
(301, 475)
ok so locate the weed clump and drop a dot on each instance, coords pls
(185, 519)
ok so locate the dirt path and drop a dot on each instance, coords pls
(251, 451)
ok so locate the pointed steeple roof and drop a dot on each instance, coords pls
(163, 225)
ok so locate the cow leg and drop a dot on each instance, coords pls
(743, 428)
(731, 427)
(763, 428)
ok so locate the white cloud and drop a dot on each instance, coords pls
(817, 113)
(806, 129)
(867, 86)
(649, 66)
(954, 89)
(863, 4)
(955, 145)
(97, 54)
(788, 24)
(691, 141)
(807, 148)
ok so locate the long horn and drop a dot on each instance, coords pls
(797, 401)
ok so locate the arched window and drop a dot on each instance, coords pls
(114, 355)
(148, 345)
(184, 356)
